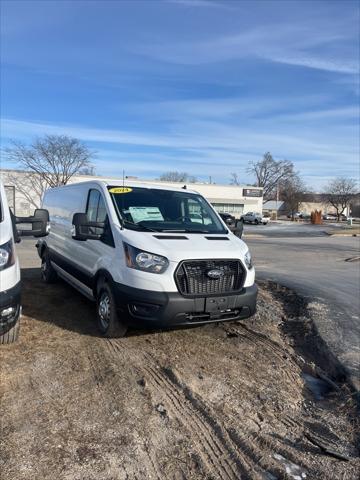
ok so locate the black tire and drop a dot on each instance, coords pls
(11, 335)
(48, 274)
(256, 222)
(107, 316)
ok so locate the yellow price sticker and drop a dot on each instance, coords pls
(120, 190)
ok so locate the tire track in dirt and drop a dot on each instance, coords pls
(212, 445)
(271, 346)
(213, 449)
(109, 388)
(226, 453)
(222, 451)
(246, 449)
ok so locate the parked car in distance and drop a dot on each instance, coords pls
(10, 286)
(146, 254)
(333, 217)
(255, 217)
(294, 215)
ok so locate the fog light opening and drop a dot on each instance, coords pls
(143, 309)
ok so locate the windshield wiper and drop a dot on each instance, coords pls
(142, 227)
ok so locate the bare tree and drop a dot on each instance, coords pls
(54, 158)
(31, 185)
(269, 173)
(292, 192)
(176, 176)
(234, 179)
(339, 192)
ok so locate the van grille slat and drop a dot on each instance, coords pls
(192, 279)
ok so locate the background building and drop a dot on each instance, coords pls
(24, 196)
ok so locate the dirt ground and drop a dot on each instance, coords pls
(222, 401)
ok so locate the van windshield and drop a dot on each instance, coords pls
(152, 209)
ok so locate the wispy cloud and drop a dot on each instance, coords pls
(206, 148)
(294, 44)
(306, 60)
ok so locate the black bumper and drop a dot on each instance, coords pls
(10, 298)
(163, 309)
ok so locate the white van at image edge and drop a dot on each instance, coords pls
(146, 254)
(10, 286)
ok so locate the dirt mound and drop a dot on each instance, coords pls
(222, 401)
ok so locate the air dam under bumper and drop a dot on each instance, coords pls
(9, 300)
(171, 309)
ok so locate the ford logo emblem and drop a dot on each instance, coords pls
(215, 274)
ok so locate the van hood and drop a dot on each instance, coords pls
(185, 246)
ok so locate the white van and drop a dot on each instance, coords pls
(10, 287)
(150, 254)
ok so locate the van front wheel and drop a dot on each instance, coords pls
(48, 274)
(108, 320)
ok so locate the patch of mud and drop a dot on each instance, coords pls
(222, 401)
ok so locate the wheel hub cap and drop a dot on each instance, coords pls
(104, 308)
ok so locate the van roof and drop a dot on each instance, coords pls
(119, 183)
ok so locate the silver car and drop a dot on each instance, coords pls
(255, 217)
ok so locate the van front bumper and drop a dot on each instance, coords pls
(164, 309)
(10, 301)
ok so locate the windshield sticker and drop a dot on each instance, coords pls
(120, 190)
(140, 214)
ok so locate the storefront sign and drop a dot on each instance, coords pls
(252, 192)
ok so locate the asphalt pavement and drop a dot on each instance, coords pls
(317, 266)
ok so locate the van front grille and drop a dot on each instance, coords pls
(193, 278)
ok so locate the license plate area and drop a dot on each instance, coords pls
(215, 305)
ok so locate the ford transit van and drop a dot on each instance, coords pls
(10, 287)
(146, 254)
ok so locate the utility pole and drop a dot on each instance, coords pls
(277, 200)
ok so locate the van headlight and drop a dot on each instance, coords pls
(145, 261)
(7, 255)
(247, 259)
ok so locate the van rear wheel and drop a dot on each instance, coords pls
(107, 316)
(48, 274)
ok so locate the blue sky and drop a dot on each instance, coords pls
(202, 86)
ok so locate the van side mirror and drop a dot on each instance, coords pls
(82, 229)
(39, 224)
(239, 228)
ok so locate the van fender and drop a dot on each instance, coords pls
(102, 276)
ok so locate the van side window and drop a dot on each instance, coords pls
(92, 205)
(96, 212)
(101, 210)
